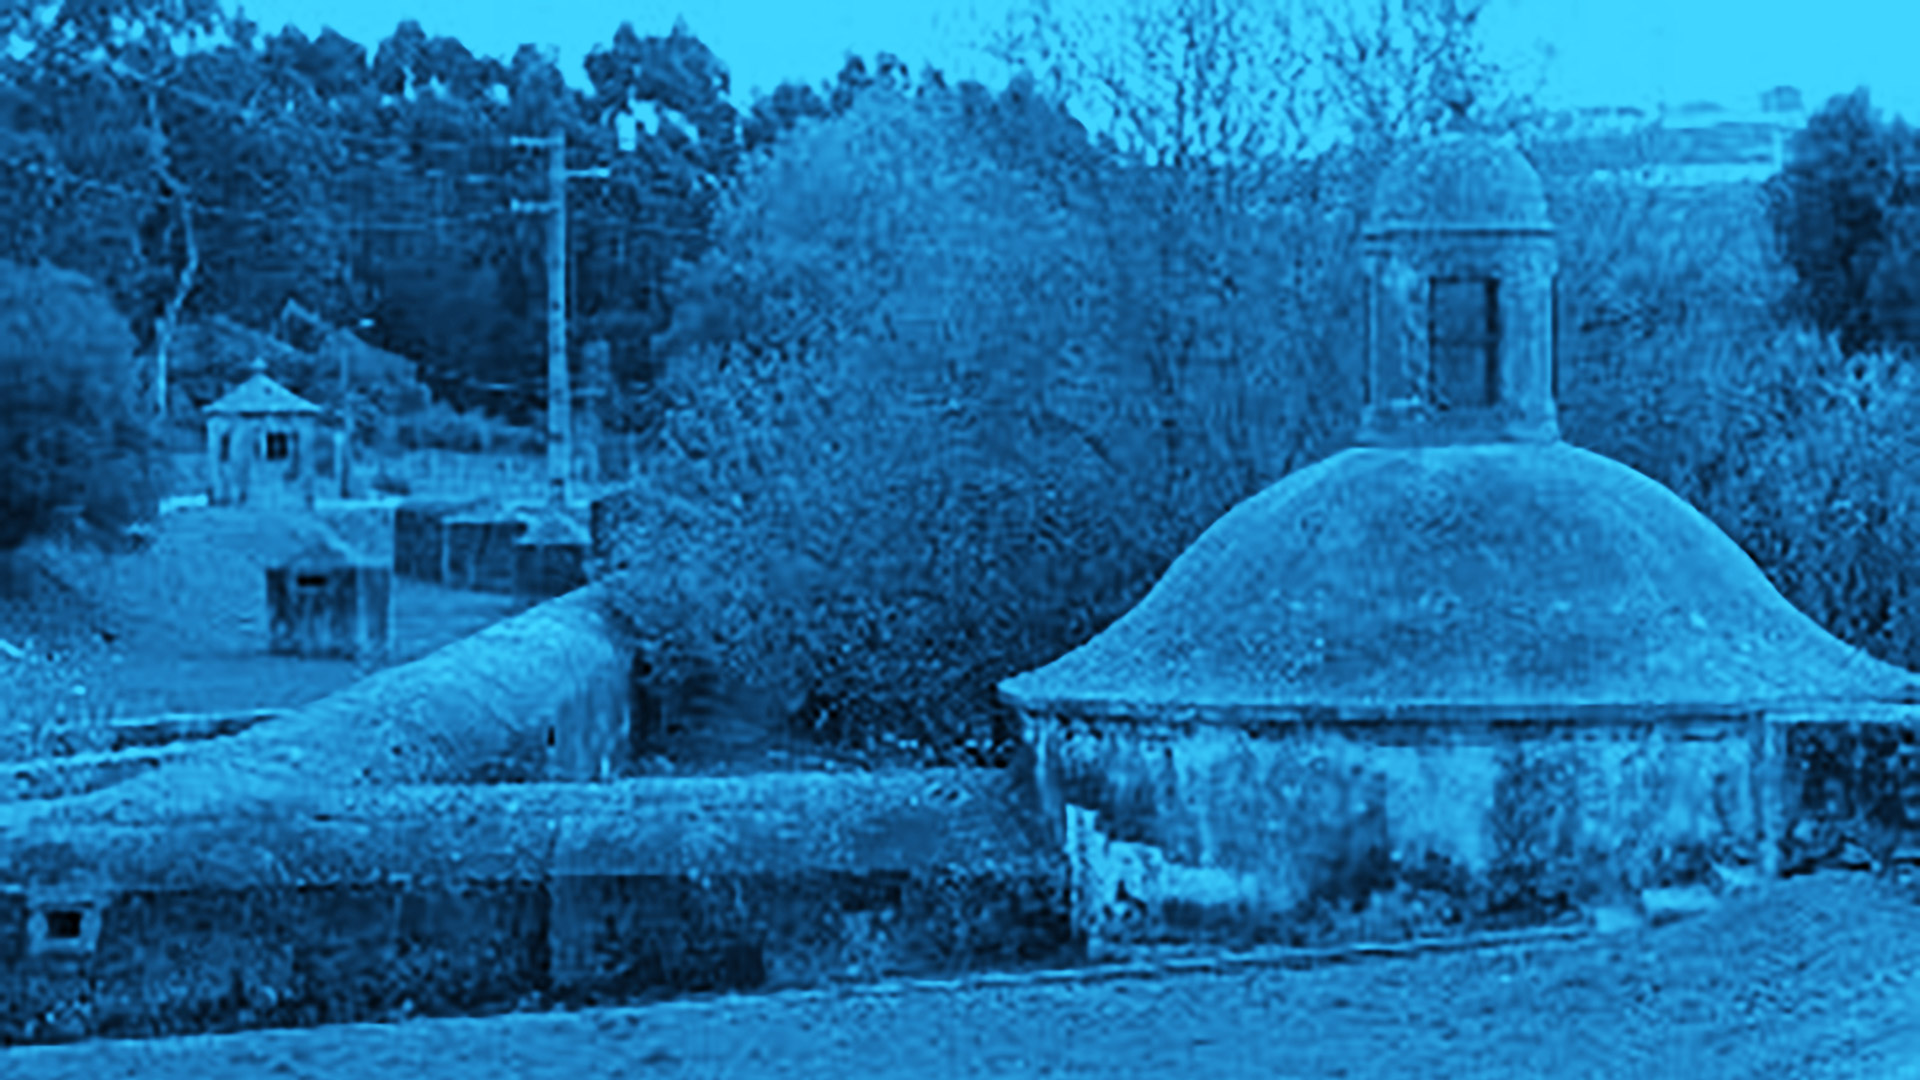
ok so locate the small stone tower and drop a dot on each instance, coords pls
(261, 445)
(1462, 677)
(1460, 263)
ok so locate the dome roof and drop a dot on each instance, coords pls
(1541, 578)
(1460, 182)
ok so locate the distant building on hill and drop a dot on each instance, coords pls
(1782, 99)
(262, 445)
(1700, 144)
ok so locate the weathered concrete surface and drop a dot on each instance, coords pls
(420, 536)
(1321, 833)
(1306, 833)
(481, 541)
(774, 823)
(331, 600)
(1532, 577)
(1849, 788)
(550, 558)
(470, 898)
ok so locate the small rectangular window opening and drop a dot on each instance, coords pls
(1366, 369)
(63, 924)
(311, 581)
(1556, 337)
(1463, 334)
(277, 448)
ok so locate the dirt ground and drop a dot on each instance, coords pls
(1815, 978)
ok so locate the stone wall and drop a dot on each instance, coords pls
(373, 904)
(1334, 833)
(542, 695)
(420, 536)
(480, 549)
(201, 961)
(1318, 834)
(1849, 789)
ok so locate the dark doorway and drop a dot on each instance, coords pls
(1464, 340)
(63, 924)
(646, 726)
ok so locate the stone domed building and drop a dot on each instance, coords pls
(1462, 676)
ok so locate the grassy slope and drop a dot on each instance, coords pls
(183, 625)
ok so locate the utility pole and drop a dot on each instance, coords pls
(559, 403)
(343, 456)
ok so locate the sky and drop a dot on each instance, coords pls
(1604, 52)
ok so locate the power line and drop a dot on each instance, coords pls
(65, 176)
(393, 146)
(351, 224)
(496, 141)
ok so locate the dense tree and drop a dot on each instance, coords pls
(73, 447)
(857, 441)
(364, 183)
(777, 113)
(1224, 110)
(191, 158)
(681, 78)
(1834, 208)
(913, 444)
(1673, 360)
(657, 206)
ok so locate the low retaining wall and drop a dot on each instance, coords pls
(88, 757)
(540, 696)
(134, 732)
(78, 774)
(446, 900)
(480, 549)
(420, 536)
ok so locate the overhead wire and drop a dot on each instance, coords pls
(385, 149)
(62, 175)
(368, 152)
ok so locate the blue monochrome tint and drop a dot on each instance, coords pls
(1169, 538)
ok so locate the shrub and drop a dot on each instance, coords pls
(956, 419)
(72, 446)
(1804, 455)
(1837, 211)
(440, 426)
